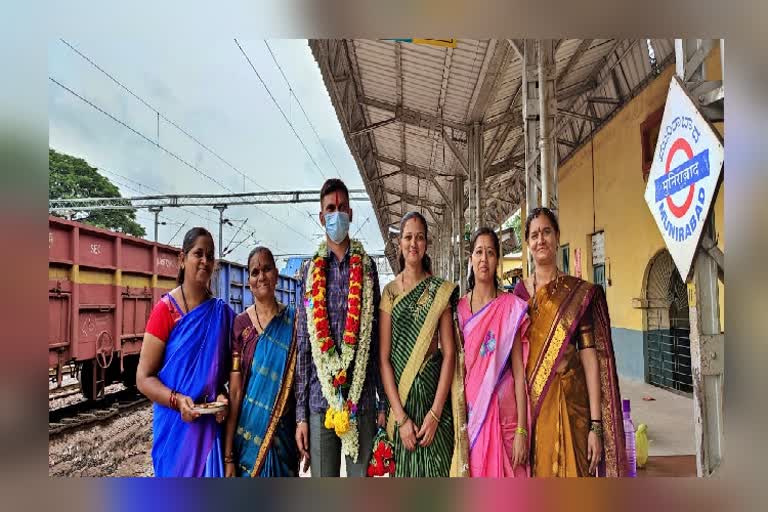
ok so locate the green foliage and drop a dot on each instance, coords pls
(517, 226)
(515, 223)
(70, 177)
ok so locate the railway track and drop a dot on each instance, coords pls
(64, 391)
(86, 413)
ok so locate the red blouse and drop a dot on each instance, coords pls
(163, 318)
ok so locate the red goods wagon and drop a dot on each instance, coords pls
(102, 286)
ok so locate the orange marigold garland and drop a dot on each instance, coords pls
(332, 364)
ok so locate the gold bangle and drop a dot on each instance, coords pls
(434, 415)
(597, 428)
(235, 362)
(522, 431)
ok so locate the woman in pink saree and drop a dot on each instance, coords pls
(493, 324)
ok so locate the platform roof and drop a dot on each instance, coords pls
(405, 110)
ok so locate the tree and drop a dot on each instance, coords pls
(515, 222)
(516, 226)
(70, 177)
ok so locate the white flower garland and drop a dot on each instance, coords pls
(329, 365)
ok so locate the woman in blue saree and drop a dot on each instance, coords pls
(183, 362)
(260, 440)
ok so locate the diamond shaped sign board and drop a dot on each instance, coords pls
(686, 168)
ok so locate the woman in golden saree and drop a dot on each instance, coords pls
(571, 369)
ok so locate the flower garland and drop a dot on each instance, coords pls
(332, 364)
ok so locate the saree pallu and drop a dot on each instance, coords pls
(415, 321)
(264, 442)
(194, 364)
(560, 401)
(489, 336)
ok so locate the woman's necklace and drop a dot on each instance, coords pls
(184, 298)
(258, 320)
(535, 306)
(471, 296)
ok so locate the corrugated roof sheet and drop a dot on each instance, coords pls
(444, 86)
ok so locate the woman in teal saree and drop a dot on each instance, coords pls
(260, 437)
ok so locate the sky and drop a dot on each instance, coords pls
(208, 89)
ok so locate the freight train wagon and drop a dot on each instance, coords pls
(230, 282)
(102, 286)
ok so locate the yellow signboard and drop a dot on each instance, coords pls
(446, 43)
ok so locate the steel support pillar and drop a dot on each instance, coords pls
(446, 231)
(706, 339)
(530, 126)
(434, 250)
(475, 157)
(530, 123)
(539, 121)
(472, 179)
(156, 210)
(221, 208)
(459, 263)
(547, 123)
(454, 233)
(437, 253)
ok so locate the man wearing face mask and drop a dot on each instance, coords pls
(340, 400)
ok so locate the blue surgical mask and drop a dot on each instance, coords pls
(337, 226)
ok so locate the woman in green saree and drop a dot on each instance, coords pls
(419, 362)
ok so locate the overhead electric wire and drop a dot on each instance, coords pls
(233, 236)
(176, 233)
(361, 226)
(301, 141)
(171, 122)
(238, 244)
(306, 116)
(126, 125)
(169, 152)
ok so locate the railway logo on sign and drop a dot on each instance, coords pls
(684, 174)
